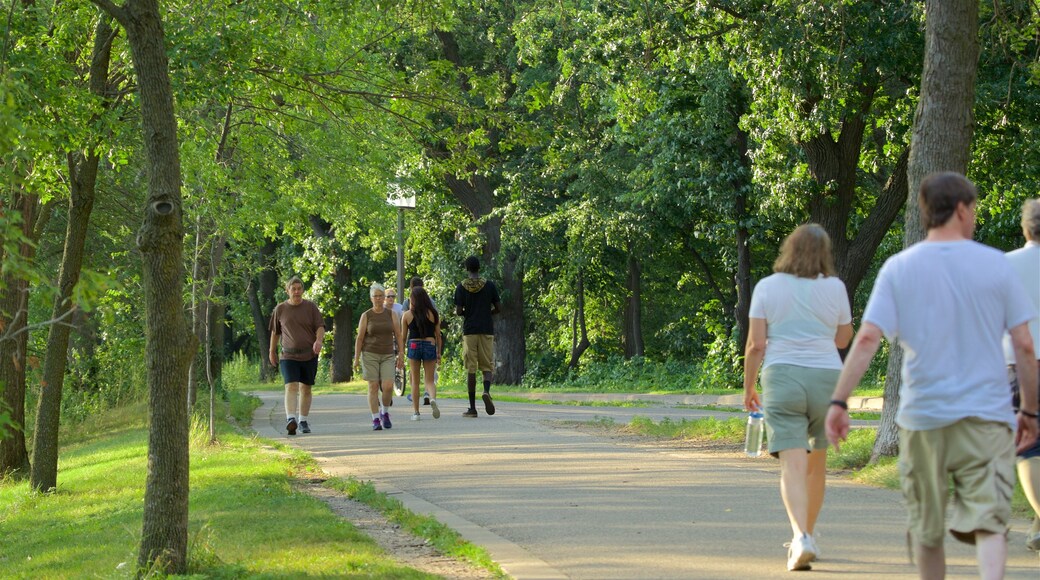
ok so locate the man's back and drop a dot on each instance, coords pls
(948, 304)
(476, 297)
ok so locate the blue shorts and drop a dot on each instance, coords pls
(299, 371)
(422, 350)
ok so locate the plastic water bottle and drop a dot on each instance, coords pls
(755, 431)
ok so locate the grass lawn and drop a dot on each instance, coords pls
(246, 518)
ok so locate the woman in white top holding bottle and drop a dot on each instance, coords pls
(799, 318)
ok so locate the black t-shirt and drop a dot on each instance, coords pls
(475, 296)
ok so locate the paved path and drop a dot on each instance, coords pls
(552, 502)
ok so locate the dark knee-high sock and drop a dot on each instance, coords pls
(471, 386)
(487, 386)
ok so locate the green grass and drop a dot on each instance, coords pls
(246, 519)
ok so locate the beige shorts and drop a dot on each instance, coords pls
(478, 352)
(378, 367)
(795, 400)
(980, 456)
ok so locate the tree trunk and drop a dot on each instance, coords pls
(14, 459)
(579, 332)
(266, 303)
(633, 331)
(169, 342)
(343, 318)
(260, 330)
(341, 367)
(83, 171)
(943, 126)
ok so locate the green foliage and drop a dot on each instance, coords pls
(617, 374)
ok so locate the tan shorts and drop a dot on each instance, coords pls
(980, 456)
(795, 400)
(478, 352)
(378, 367)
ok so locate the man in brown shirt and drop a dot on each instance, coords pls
(299, 324)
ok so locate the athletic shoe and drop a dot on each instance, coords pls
(385, 418)
(436, 410)
(1033, 536)
(415, 417)
(409, 397)
(290, 425)
(305, 427)
(376, 425)
(801, 552)
(426, 398)
(470, 413)
(489, 406)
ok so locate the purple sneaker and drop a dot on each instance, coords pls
(376, 426)
(385, 418)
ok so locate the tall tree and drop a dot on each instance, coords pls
(170, 343)
(82, 173)
(943, 127)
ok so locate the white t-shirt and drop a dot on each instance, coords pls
(948, 304)
(1026, 262)
(802, 316)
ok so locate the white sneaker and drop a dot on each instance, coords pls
(801, 552)
(435, 408)
(415, 417)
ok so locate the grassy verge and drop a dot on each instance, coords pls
(246, 519)
(851, 461)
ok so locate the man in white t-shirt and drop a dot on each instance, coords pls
(948, 301)
(1026, 263)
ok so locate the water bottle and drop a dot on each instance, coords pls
(755, 430)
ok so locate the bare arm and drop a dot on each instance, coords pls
(843, 336)
(1025, 368)
(754, 352)
(856, 363)
(496, 307)
(319, 340)
(398, 338)
(361, 328)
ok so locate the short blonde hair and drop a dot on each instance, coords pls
(806, 253)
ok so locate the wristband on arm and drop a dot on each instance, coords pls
(841, 404)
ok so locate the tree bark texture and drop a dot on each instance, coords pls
(343, 318)
(14, 458)
(943, 127)
(633, 318)
(170, 344)
(266, 303)
(83, 171)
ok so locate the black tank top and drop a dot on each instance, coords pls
(425, 330)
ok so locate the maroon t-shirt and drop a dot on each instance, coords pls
(298, 326)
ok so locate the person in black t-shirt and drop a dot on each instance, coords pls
(476, 300)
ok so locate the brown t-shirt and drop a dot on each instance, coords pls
(379, 332)
(298, 326)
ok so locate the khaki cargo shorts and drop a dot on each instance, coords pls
(980, 455)
(478, 352)
(378, 367)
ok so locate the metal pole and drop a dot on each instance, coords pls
(400, 254)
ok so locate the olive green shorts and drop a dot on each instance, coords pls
(795, 400)
(478, 352)
(980, 455)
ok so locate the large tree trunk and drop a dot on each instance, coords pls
(83, 169)
(943, 126)
(14, 336)
(169, 342)
(633, 318)
(261, 304)
(343, 317)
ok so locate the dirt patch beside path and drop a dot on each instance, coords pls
(400, 545)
